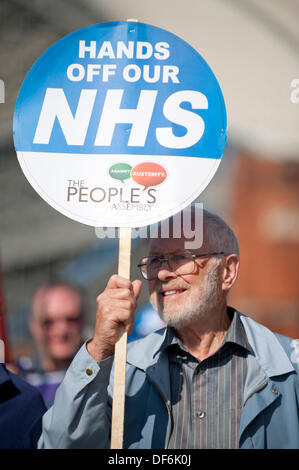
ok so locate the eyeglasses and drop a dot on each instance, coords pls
(180, 263)
(48, 323)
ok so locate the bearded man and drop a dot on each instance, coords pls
(213, 378)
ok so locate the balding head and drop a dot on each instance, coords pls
(199, 229)
(218, 235)
(57, 321)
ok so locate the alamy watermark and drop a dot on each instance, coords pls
(294, 96)
(2, 91)
(187, 224)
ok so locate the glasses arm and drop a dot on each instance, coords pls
(202, 255)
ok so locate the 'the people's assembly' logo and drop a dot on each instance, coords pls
(146, 174)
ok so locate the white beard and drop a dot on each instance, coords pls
(198, 304)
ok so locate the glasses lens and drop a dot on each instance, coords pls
(153, 265)
(179, 263)
(143, 267)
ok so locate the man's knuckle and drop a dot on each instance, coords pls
(126, 292)
(126, 305)
(105, 310)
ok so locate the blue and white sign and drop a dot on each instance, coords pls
(120, 124)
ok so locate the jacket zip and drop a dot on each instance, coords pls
(255, 391)
(168, 410)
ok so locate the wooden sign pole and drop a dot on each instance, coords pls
(119, 384)
(118, 405)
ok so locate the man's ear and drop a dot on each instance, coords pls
(230, 271)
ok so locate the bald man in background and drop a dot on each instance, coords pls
(56, 324)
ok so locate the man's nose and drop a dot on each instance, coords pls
(165, 272)
(61, 326)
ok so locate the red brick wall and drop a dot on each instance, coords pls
(266, 221)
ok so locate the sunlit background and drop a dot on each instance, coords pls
(253, 49)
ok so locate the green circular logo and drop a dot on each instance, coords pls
(120, 171)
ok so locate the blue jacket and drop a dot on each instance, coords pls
(21, 410)
(80, 417)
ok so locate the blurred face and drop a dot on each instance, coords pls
(57, 323)
(180, 300)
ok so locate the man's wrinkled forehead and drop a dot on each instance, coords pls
(166, 245)
(49, 298)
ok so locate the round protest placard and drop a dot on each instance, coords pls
(120, 124)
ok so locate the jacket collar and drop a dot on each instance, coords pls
(144, 352)
(235, 334)
(267, 350)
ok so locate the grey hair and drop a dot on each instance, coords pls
(220, 237)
